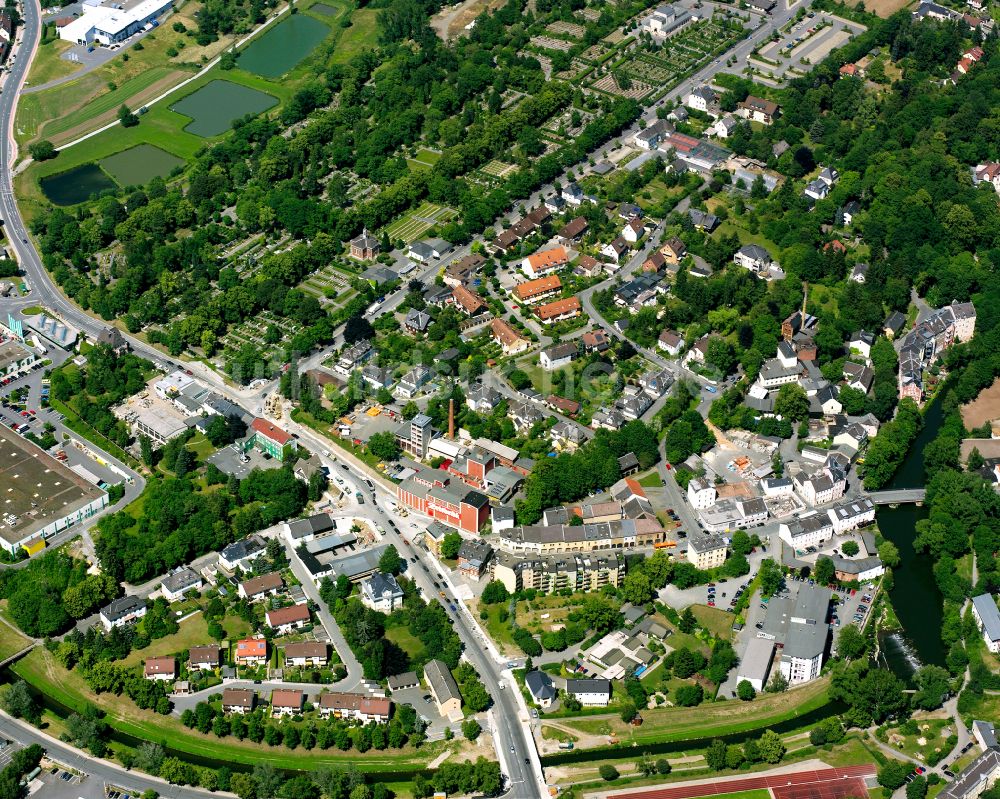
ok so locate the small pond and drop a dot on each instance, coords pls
(76, 185)
(284, 46)
(215, 106)
(138, 165)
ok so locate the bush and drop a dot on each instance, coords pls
(608, 772)
(893, 774)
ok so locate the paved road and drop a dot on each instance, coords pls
(96, 768)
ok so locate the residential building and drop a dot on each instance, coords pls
(307, 653)
(242, 553)
(562, 538)
(413, 382)
(539, 685)
(355, 706)
(284, 620)
(534, 291)
(353, 356)
(703, 221)
(753, 257)
(615, 250)
(510, 341)
(673, 250)
(590, 693)
(649, 137)
(847, 215)
(260, 587)
(983, 772)
(178, 583)
(757, 109)
(701, 98)
(670, 342)
(381, 592)
(706, 551)
(634, 230)
(574, 571)
(984, 611)
(461, 272)
(558, 311)
(286, 703)
(204, 658)
(572, 231)
(238, 700)
(160, 669)
(595, 340)
(812, 530)
(416, 321)
(428, 250)
(701, 493)
(444, 689)
(558, 355)
(473, 558)
(987, 173)
(468, 301)
(122, 611)
(545, 262)
(251, 652)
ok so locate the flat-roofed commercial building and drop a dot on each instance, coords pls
(41, 496)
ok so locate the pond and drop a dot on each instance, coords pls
(215, 106)
(324, 10)
(915, 595)
(76, 185)
(284, 46)
(138, 165)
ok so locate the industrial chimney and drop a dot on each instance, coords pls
(451, 419)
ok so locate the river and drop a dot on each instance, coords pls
(915, 595)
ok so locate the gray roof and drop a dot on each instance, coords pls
(986, 609)
(986, 731)
(756, 660)
(181, 580)
(122, 607)
(244, 548)
(706, 543)
(756, 252)
(380, 584)
(588, 687)
(540, 685)
(441, 681)
(973, 779)
(404, 680)
(807, 626)
(475, 552)
(312, 525)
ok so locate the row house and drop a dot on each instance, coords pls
(558, 311)
(359, 707)
(510, 341)
(545, 262)
(587, 572)
(532, 292)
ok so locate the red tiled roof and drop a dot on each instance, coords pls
(270, 430)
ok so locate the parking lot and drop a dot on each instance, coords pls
(806, 42)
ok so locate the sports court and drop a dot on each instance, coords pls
(830, 783)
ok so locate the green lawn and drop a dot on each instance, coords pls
(362, 35)
(717, 621)
(11, 641)
(405, 640)
(717, 718)
(41, 670)
(191, 632)
(48, 65)
(760, 793)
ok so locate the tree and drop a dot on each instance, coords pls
(792, 402)
(933, 685)
(42, 150)
(770, 746)
(663, 766)
(825, 570)
(778, 684)
(888, 553)
(770, 577)
(917, 788)
(893, 774)
(450, 544)
(384, 446)
(390, 562)
(495, 593)
(636, 588)
(689, 695)
(850, 548)
(628, 711)
(715, 755)
(688, 623)
(608, 772)
(18, 701)
(851, 643)
(745, 691)
(471, 729)
(127, 118)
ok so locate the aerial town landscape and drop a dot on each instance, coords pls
(525, 398)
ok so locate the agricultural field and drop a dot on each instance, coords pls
(415, 224)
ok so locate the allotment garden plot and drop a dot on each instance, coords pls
(416, 223)
(645, 72)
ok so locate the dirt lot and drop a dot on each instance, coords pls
(983, 408)
(886, 8)
(450, 22)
